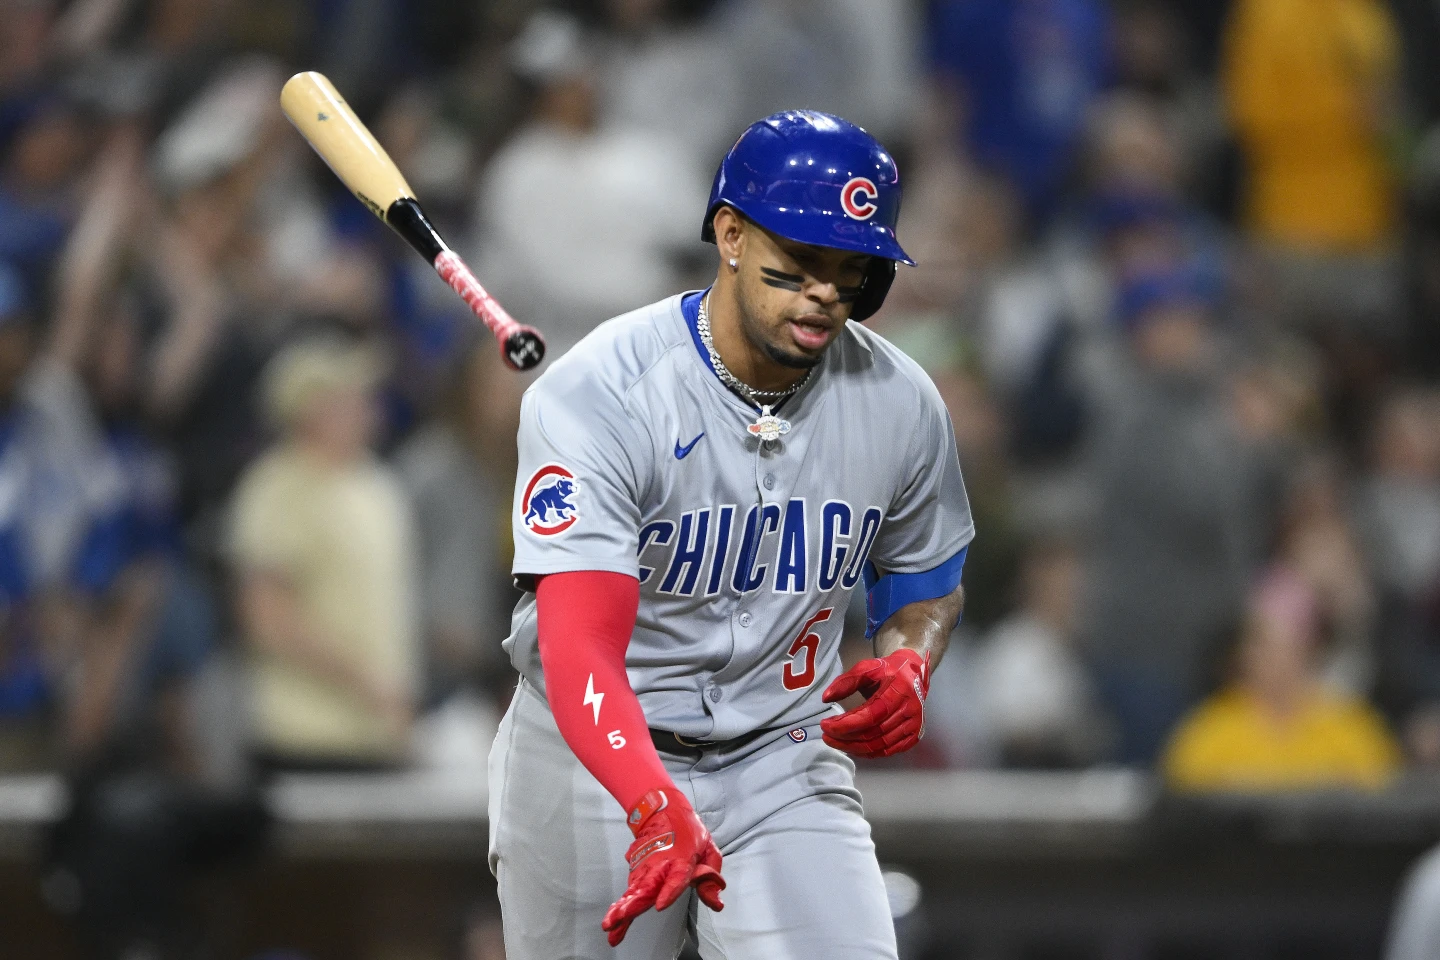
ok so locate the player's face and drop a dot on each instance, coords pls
(794, 298)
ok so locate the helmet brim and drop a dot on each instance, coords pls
(829, 229)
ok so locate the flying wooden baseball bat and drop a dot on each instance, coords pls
(325, 120)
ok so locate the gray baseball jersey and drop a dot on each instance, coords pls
(635, 459)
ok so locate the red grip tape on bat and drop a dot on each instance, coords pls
(522, 347)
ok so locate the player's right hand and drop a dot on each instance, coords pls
(672, 852)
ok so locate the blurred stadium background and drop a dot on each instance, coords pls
(1179, 284)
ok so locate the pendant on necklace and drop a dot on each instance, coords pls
(769, 427)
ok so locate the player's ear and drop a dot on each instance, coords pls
(730, 231)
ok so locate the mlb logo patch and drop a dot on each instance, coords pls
(798, 734)
(548, 507)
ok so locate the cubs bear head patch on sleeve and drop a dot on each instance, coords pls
(548, 506)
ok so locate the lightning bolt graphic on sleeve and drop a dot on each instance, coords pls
(592, 699)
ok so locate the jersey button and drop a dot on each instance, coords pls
(769, 481)
(746, 619)
(715, 694)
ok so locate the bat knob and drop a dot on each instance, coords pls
(523, 349)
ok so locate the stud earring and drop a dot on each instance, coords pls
(734, 264)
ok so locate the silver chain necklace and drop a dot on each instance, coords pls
(728, 378)
(767, 426)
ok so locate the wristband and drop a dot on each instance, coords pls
(652, 803)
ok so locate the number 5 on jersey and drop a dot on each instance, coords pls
(799, 670)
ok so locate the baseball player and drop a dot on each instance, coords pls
(702, 484)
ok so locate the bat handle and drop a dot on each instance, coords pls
(522, 347)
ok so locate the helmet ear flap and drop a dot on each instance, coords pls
(707, 229)
(879, 275)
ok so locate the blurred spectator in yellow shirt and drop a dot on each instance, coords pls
(1308, 84)
(1311, 90)
(323, 544)
(1276, 726)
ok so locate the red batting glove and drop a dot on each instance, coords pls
(672, 851)
(892, 718)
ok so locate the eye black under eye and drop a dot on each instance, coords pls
(780, 280)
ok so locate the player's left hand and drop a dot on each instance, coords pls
(892, 718)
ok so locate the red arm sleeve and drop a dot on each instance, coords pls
(585, 621)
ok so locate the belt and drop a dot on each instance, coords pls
(676, 745)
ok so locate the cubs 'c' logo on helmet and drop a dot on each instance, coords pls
(548, 506)
(857, 198)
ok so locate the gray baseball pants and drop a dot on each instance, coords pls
(1415, 924)
(802, 879)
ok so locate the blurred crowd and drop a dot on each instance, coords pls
(1179, 285)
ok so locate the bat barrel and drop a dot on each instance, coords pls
(324, 119)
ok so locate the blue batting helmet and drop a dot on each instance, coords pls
(814, 178)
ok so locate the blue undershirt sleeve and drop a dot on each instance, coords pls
(884, 595)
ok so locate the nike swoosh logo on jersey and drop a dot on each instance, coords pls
(682, 452)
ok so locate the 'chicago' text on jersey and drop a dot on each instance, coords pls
(785, 549)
